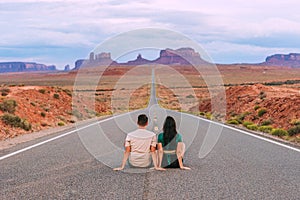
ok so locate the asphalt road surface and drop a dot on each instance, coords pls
(77, 164)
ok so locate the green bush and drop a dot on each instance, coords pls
(16, 121)
(43, 114)
(60, 123)
(233, 121)
(294, 130)
(262, 95)
(295, 122)
(8, 106)
(77, 114)
(189, 96)
(56, 96)
(202, 113)
(253, 127)
(266, 122)
(279, 132)
(43, 91)
(265, 129)
(256, 107)
(209, 116)
(261, 112)
(5, 91)
(247, 123)
(68, 92)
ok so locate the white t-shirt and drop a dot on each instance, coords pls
(140, 141)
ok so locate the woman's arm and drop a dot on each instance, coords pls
(160, 152)
(180, 152)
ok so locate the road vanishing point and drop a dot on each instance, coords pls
(74, 164)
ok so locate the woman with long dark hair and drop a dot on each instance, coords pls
(170, 146)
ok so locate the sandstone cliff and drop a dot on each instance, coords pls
(24, 67)
(288, 60)
(182, 56)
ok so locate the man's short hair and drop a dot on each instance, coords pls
(142, 120)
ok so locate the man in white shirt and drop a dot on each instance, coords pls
(140, 146)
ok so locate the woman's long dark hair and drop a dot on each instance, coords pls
(170, 131)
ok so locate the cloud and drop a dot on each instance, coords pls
(259, 24)
(226, 52)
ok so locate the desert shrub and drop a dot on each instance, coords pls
(209, 116)
(266, 122)
(202, 113)
(279, 132)
(5, 91)
(256, 107)
(189, 96)
(261, 112)
(77, 114)
(60, 123)
(233, 121)
(16, 121)
(32, 103)
(47, 109)
(43, 91)
(68, 92)
(294, 130)
(247, 123)
(43, 114)
(56, 96)
(253, 127)
(262, 95)
(72, 121)
(25, 125)
(265, 129)
(240, 118)
(295, 122)
(8, 106)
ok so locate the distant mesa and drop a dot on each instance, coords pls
(67, 68)
(94, 60)
(288, 60)
(6, 67)
(182, 56)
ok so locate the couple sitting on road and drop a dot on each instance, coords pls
(141, 146)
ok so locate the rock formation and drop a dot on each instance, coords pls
(182, 56)
(288, 60)
(67, 68)
(24, 67)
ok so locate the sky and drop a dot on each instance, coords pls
(61, 31)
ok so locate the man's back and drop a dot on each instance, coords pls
(140, 141)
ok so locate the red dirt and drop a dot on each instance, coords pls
(281, 103)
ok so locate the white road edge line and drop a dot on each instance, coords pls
(98, 122)
(247, 133)
(57, 137)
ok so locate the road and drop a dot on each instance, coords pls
(77, 164)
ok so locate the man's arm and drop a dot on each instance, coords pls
(154, 158)
(126, 155)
